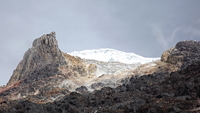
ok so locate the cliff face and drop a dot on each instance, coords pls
(44, 51)
(50, 81)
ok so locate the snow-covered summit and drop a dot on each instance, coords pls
(107, 55)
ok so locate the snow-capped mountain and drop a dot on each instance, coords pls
(107, 55)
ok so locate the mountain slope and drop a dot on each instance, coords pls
(50, 81)
(107, 55)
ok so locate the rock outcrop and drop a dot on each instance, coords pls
(44, 51)
(183, 54)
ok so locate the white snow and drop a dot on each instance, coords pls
(107, 55)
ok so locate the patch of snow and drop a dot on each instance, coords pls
(108, 55)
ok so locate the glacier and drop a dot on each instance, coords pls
(112, 55)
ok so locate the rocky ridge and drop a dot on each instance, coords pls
(50, 81)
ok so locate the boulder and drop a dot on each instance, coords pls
(183, 54)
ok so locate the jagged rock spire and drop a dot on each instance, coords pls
(47, 39)
(44, 51)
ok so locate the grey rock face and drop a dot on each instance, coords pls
(44, 51)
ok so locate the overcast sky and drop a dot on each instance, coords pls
(146, 27)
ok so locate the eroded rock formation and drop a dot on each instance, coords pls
(44, 51)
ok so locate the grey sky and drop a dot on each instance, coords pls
(145, 27)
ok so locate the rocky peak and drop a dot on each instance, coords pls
(46, 40)
(44, 51)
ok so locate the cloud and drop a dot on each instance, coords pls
(165, 40)
(159, 35)
(174, 35)
(168, 36)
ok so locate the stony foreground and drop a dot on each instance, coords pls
(156, 93)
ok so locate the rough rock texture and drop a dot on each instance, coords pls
(154, 93)
(38, 73)
(170, 86)
(44, 51)
(183, 54)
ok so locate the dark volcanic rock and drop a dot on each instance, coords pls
(47, 71)
(183, 54)
(82, 89)
(156, 93)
